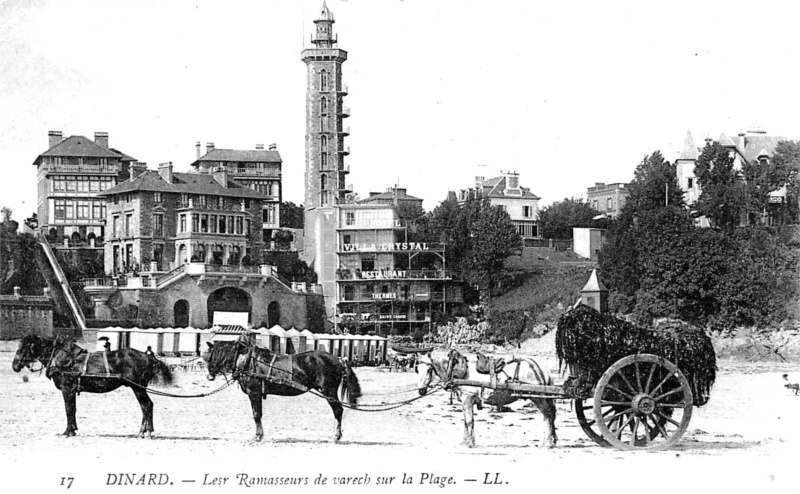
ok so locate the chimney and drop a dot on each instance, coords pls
(198, 149)
(209, 147)
(220, 174)
(101, 139)
(54, 137)
(259, 147)
(273, 147)
(165, 171)
(137, 168)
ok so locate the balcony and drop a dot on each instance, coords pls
(252, 172)
(346, 187)
(344, 150)
(85, 168)
(344, 168)
(344, 89)
(390, 274)
(344, 111)
(345, 131)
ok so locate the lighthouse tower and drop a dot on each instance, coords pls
(326, 171)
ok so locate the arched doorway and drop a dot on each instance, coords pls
(228, 299)
(273, 313)
(181, 314)
(182, 254)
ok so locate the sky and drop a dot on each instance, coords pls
(564, 93)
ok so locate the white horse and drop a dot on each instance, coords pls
(448, 365)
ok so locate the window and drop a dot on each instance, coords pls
(247, 203)
(690, 182)
(106, 183)
(239, 225)
(268, 214)
(204, 223)
(323, 143)
(609, 204)
(349, 292)
(247, 227)
(201, 201)
(61, 209)
(350, 218)
(115, 226)
(157, 198)
(527, 211)
(182, 223)
(323, 80)
(323, 160)
(323, 105)
(222, 223)
(158, 225)
(70, 206)
(94, 184)
(220, 202)
(71, 184)
(324, 198)
(116, 199)
(184, 200)
(521, 230)
(230, 225)
(59, 184)
(98, 210)
(323, 182)
(103, 161)
(195, 222)
(83, 184)
(128, 221)
(368, 262)
(213, 223)
(83, 210)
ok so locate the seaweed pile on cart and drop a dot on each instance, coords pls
(589, 342)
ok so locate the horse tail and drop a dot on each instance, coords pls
(161, 371)
(351, 388)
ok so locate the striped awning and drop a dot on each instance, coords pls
(231, 329)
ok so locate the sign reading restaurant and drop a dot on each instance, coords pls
(386, 246)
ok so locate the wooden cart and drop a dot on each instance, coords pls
(641, 402)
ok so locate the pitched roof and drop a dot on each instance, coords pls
(125, 157)
(689, 149)
(189, 183)
(390, 194)
(80, 146)
(594, 284)
(726, 141)
(497, 186)
(241, 156)
(754, 145)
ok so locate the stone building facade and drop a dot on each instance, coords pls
(608, 199)
(70, 176)
(326, 170)
(258, 169)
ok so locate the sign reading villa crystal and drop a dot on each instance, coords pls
(416, 246)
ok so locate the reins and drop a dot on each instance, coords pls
(253, 357)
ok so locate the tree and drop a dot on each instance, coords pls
(291, 215)
(654, 185)
(494, 239)
(786, 164)
(722, 196)
(558, 219)
(479, 238)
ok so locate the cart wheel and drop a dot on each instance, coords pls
(650, 403)
(585, 414)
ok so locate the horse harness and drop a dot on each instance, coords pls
(283, 368)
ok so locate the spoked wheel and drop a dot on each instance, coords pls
(585, 414)
(645, 403)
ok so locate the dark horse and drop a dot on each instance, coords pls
(73, 370)
(261, 372)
